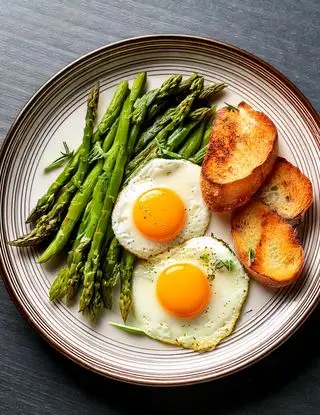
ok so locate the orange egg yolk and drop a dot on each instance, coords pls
(183, 290)
(159, 214)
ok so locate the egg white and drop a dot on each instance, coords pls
(182, 177)
(229, 290)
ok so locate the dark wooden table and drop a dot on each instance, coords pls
(39, 37)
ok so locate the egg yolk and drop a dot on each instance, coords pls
(183, 290)
(159, 214)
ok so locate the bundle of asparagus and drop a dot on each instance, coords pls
(172, 121)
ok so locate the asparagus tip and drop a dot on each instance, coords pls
(125, 306)
(22, 241)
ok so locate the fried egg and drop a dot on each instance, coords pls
(160, 207)
(191, 295)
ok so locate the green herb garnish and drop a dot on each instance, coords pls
(205, 258)
(96, 153)
(228, 264)
(130, 329)
(65, 155)
(231, 107)
(251, 256)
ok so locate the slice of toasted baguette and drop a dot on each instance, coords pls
(240, 155)
(266, 245)
(287, 191)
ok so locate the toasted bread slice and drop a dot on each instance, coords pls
(287, 191)
(241, 153)
(266, 245)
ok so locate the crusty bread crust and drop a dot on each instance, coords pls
(278, 254)
(287, 191)
(241, 154)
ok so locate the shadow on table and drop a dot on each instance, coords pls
(228, 395)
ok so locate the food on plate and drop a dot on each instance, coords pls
(190, 295)
(160, 208)
(241, 153)
(47, 201)
(169, 140)
(135, 188)
(74, 216)
(72, 178)
(66, 155)
(287, 191)
(266, 245)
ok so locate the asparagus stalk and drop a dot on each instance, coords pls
(157, 109)
(167, 88)
(183, 109)
(59, 288)
(172, 116)
(156, 148)
(180, 134)
(96, 305)
(77, 206)
(207, 133)
(93, 259)
(77, 254)
(187, 84)
(113, 110)
(97, 302)
(110, 272)
(82, 227)
(50, 222)
(82, 171)
(142, 104)
(83, 224)
(201, 113)
(161, 149)
(210, 90)
(151, 132)
(78, 257)
(163, 103)
(199, 156)
(47, 200)
(150, 151)
(193, 141)
(126, 271)
(77, 263)
(98, 199)
(170, 120)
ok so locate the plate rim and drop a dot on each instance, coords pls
(6, 277)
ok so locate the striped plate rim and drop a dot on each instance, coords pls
(308, 114)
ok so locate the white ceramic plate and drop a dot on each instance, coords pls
(56, 114)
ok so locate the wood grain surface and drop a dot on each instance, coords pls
(37, 38)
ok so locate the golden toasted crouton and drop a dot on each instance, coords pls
(287, 191)
(240, 155)
(266, 245)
